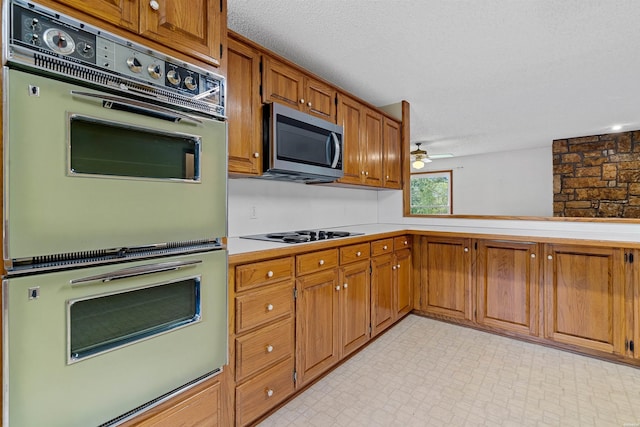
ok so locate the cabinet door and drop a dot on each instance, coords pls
(445, 273)
(583, 290)
(402, 283)
(123, 13)
(198, 407)
(372, 163)
(194, 27)
(317, 324)
(382, 309)
(243, 109)
(632, 302)
(354, 306)
(282, 84)
(507, 285)
(392, 154)
(320, 100)
(350, 116)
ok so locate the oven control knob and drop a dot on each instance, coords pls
(190, 83)
(173, 77)
(154, 71)
(35, 40)
(134, 64)
(35, 24)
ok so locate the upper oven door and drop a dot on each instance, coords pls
(84, 172)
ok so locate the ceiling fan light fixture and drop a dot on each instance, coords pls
(419, 157)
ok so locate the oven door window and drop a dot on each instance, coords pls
(109, 321)
(98, 147)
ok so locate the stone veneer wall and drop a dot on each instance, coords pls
(597, 176)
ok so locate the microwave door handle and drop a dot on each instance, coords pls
(336, 144)
(141, 270)
(138, 107)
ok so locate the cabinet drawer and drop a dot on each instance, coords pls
(401, 242)
(264, 306)
(249, 276)
(258, 395)
(354, 253)
(316, 261)
(381, 247)
(263, 348)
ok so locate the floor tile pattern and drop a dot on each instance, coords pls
(429, 373)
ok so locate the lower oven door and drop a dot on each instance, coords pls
(85, 346)
(83, 174)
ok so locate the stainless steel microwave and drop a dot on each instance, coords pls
(300, 147)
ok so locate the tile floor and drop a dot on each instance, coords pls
(428, 373)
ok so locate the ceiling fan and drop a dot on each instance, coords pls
(420, 156)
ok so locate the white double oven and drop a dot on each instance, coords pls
(115, 295)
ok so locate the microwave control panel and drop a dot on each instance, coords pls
(46, 40)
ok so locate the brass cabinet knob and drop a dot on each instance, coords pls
(269, 392)
(256, 154)
(269, 273)
(269, 348)
(154, 5)
(269, 307)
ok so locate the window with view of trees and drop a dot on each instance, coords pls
(431, 193)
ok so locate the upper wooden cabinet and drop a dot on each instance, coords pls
(123, 13)
(193, 27)
(362, 142)
(507, 285)
(392, 154)
(295, 89)
(584, 296)
(244, 108)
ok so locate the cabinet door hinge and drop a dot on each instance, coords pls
(370, 270)
(221, 2)
(626, 342)
(475, 246)
(370, 329)
(295, 293)
(336, 100)
(626, 258)
(630, 258)
(295, 376)
(221, 50)
(631, 346)
(260, 90)
(260, 66)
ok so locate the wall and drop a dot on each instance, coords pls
(282, 206)
(513, 183)
(597, 176)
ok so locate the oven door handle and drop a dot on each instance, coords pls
(141, 270)
(138, 107)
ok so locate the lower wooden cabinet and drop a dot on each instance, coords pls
(382, 309)
(402, 283)
(264, 391)
(317, 324)
(584, 296)
(507, 285)
(200, 406)
(446, 277)
(355, 316)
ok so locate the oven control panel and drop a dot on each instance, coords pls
(44, 39)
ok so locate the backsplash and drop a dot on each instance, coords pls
(262, 206)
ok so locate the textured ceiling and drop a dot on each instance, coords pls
(481, 76)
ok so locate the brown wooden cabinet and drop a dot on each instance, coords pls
(402, 283)
(200, 406)
(362, 142)
(193, 28)
(383, 267)
(446, 277)
(264, 336)
(244, 108)
(317, 324)
(584, 296)
(355, 316)
(392, 154)
(294, 88)
(507, 275)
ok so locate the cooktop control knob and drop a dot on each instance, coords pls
(173, 77)
(134, 64)
(85, 49)
(190, 83)
(154, 71)
(321, 234)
